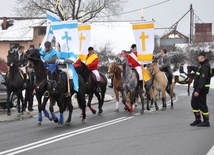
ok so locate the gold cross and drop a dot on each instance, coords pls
(143, 37)
(64, 13)
(81, 39)
(56, 3)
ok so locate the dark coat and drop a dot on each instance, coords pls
(22, 60)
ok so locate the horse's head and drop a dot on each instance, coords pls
(153, 68)
(80, 66)
(12, 57)
(122, 58)
(33, 54)
(190, 69)
(113, 68)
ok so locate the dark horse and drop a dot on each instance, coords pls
(90, 85)
(58, 91)
(14, 81)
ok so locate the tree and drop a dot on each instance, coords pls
(71, 9)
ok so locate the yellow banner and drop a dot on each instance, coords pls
(146, 76)
(84, 27)
(143, 26)
(91, 59)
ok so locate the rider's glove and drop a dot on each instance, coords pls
(60, 61)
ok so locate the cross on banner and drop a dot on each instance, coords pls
(143, 37)
(66, 37)
(81, 40)
(56, 3)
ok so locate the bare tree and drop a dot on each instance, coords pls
(83, 10)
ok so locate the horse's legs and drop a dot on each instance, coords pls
(188, 89)
(90, 96)
(164, 100)
(70, 107)
(117, 100)
(99, 103)
(142, 100)
(82, 104)
(8, 102)
(171, 94)
(126, 107)
(55, 119)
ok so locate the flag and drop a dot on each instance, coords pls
(84, 31)
(66, 33)
(49, 33)
(144, 38)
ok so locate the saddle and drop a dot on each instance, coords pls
(94, 78)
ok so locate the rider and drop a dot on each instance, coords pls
(22, 62)
(164, 62)
(182, 73)
(92, 61)
(49, 55)
(133, 62)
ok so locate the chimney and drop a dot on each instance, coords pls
(4, 24)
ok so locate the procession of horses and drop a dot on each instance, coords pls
(52, 84)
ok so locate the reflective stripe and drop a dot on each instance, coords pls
(196, 110)
(207, 85)
(205, 113)
(197, 73)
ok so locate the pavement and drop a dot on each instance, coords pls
(27, 114)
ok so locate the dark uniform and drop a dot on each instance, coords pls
(201, 85)
(29, 90)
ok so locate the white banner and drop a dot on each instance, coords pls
(66, 33)
(84, 40)
(144, 38)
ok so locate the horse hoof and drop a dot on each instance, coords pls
(116, 110)
(60, 125)
(94, 112)
(8, 113)
(67, 123)
(83, 121)
(156, 108)
(39, 123)
(56, 120)
(125, 108)
(148, 109)
(172, 107)
(50, 118)
(18, 115)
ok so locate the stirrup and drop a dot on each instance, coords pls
(46, 94)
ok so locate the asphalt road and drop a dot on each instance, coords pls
(153, 133)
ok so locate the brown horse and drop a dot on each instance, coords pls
(159, 84)
(115, 71)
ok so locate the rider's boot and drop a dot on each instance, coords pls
(111, 84)
(98, 87)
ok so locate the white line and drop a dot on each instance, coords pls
(211, 151)
(62, 136)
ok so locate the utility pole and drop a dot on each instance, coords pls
(191, 24)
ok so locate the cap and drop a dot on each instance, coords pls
(133, 46)
(47, 44)
(202, 54)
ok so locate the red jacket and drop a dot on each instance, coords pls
(132, 61)
(93, 65)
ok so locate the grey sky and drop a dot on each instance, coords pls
(165, 14)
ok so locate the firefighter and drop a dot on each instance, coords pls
(201, 87)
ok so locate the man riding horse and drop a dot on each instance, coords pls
(164, 64)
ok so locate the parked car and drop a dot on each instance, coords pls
(3, 94)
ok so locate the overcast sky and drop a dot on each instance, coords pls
(165, 15)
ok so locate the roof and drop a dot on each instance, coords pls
(174, 34)
(20, 30)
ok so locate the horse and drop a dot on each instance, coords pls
(58, 91)
(40, 83)
(115, 71)
(90, 85)
(159, 83)
(14, 80)
(130, 84)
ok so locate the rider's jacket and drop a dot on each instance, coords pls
(22, 60)
(92, 62)
(132, 59)
(202, 78)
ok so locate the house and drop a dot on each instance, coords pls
(172, 38)
(20, 31)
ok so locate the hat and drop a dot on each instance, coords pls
(202, 54)
(133, 46)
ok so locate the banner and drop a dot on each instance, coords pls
(84, 31)
(49, 33)
(144, 38)
(66, 33)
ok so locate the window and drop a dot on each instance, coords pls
(31, 46)
(14, 46)
(41, 30)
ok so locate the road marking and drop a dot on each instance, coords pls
(62, 136)
(211, 151)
